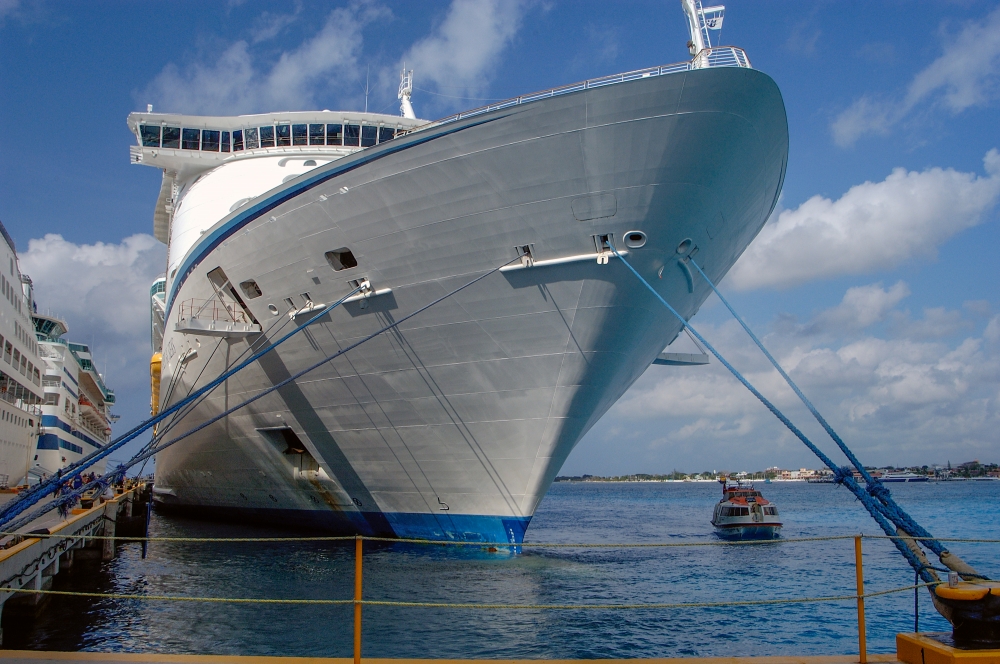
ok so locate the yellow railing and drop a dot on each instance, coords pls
(359, 602)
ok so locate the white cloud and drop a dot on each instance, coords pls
(235, 84)
(874, 226)
(965, 75)
(102, 291)
(899, 399)
(8, 7)
(458, 56)
(864, 306)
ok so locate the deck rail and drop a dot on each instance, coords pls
(720, 56)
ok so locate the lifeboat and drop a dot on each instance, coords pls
(744, 514)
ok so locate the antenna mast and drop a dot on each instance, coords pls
(405, 90)
(700, 21)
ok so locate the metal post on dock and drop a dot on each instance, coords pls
(357, 599)
(860, 575)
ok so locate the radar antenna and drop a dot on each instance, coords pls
(700, 20)
(405, 90)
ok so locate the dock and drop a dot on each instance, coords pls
(31, 558)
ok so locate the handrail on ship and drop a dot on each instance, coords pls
(719, 56)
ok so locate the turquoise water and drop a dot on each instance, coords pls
(590, 512)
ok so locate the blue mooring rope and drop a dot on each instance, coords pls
(841, 475)
(149, 451)
(872, 485)
(33, 495)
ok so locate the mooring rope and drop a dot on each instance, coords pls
(33, 495)
(872, 505)
(872, 485)
(148, 453)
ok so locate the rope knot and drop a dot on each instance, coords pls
(878, 490)
(841, 474)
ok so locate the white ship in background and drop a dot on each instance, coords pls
(20, 370)
(453, 425)
(76, 412)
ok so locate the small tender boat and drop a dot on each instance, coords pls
(744, 514)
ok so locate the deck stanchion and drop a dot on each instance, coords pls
(860, 574)
(357, 599)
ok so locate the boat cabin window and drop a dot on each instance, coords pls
(267, 137)
(352, 135)
(341, 259)
(238, 140)
(150, 136)
(284, 133)
(253, 140)
(225, 141)
(210, 140)
(300, 134)
(251, 289)
(773, 511)
(369, 136)
(386, 134)
(317, 134)
(171, 137)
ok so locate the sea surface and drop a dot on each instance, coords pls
(570, 513)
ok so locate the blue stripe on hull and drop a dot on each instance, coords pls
(457, 527)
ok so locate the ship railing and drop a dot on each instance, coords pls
(857, 595)
(212, 310)
(720, 56)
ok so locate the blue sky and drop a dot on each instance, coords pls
(874, 283)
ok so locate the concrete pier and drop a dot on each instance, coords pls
(31, 563)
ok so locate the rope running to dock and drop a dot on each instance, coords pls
(465, 605)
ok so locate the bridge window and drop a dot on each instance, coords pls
(341, 259)
(150, 136)
(225, 141)
(316, 134)
(386, 134)
(369, 135)
(190, 139)
(210, 140)
(267, 137)
(171, 137)
(284, 135)
(238, 140)
(352, 135)
(334, 134)
(300, 134)
(253, 140)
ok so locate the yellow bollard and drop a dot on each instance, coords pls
(357, 600)
(859, 573)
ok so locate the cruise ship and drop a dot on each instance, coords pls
(20, 370)
(76, 412)
(452, 425)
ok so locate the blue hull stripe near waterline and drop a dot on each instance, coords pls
(338, 167)
(458, 527)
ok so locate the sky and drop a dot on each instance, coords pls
(873, 284)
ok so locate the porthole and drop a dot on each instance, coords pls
(684, 246)
(341, 259)
(251, 289)
(273, 309)
(309, 162)
(635, 239)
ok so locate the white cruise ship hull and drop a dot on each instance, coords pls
(453, 425)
